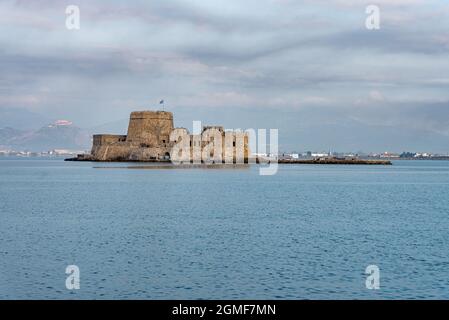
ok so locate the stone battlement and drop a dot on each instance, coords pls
(219, 128)
(162, 115)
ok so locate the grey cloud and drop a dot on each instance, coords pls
(255, 63)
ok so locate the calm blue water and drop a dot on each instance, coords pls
(307, 232)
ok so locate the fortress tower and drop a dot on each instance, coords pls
(150, 128)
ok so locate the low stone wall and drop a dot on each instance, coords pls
(103, 139)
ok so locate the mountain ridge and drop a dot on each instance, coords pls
(49, 137)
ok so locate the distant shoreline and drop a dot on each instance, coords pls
(368, 161)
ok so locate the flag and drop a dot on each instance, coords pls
(161, 102)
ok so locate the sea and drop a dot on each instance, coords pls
(138, 231)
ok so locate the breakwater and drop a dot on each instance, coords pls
(336, 161)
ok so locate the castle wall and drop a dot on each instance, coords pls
(103, 139)
(107, 146)
(148, 154)
(234, 147)
(126, 152)
(113, 152)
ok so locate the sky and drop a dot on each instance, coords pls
(310, 68)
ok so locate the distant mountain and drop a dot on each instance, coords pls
(7, 135)
(59, 135)
(21, 119)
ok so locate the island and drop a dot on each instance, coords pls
(152, 137)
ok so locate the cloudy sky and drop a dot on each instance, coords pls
(309, 68)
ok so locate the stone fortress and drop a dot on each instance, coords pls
(152, 137)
